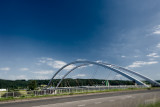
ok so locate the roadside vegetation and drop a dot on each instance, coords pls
(15, 85)
(22, 89)
(32, 96)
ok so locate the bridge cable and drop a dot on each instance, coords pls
(94, 73)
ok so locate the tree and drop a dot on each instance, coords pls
(32, 85)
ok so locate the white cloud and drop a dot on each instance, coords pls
(123, 56)
(157, 30)
(56, 64)
(81, 59)
(90, 65)
(44, 72)
(99, 61)
(23, 69)
(17, 77)
(5, 69)
(118, 75)
(79, 75)
(69, 67)
(158, 45)
(154, 55)
(59, 76)
(141, 63)
(82, 66)
(44, 60)
(49, 59)
(41, 77)
(21, 77)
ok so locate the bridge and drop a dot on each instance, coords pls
(129, 74)
(133, 98)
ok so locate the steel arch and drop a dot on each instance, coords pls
(109, 66)
(120, 72)
(154, 83)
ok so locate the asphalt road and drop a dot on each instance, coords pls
(114, 99)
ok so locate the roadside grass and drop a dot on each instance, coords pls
(2, 93)
(23, 92)
(156, 104)
(32, 96)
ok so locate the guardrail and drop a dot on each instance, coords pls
(63, 90)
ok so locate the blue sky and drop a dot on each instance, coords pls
(37, 37)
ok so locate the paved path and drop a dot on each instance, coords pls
(116, 99)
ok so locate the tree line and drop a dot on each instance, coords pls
(33, 84)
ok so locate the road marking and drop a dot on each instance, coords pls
(91, 100)
(81, 105)
(98, 102)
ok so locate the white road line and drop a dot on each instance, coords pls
(81, 105)
(98, 102)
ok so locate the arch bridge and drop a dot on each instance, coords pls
(117, 69)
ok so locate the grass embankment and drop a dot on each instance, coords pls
(73, 93)
(156, 104)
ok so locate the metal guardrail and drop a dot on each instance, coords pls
(63, 90)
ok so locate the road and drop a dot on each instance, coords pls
(112, 99)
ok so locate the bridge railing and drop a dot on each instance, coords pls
(63, 90)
